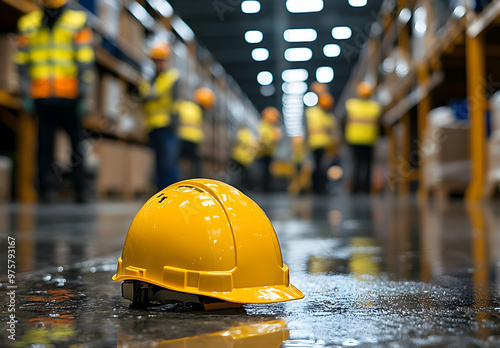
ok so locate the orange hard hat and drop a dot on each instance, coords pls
(318, 87)
(53, 3)
(270, 114)
(160, 51)
(326, 101)
(205, 97)
(364, 89)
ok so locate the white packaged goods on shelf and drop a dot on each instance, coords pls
(109, 14)
(442, 117)
(113, 92)
(495, 111)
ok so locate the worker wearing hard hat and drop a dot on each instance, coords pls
(242, 157)
(55, 60)
(361, 133)
(159, 95)
(191, 127)
(320, 127)
(299, 152)
(269, 136)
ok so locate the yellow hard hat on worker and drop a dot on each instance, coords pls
(53, 3)
(204, 241)
(160, 51)
(270, 114)
(205, 97)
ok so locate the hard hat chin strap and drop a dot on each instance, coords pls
(145, 294)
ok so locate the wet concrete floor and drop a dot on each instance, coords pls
(376, 272)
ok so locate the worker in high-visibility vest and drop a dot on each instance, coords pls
(55, 61)
(243, 154)
(320, 126)
(361, 133)
(191, 127)
(269, 136)
(159, 95)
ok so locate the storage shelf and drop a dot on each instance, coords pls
(23, 6)
(121, 68)
(10, 101)
(483, 20)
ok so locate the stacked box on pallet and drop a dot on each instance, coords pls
(445, 152)
(140, 169)
(9, 80)
(112, 174)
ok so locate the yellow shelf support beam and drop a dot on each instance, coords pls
(476, 92)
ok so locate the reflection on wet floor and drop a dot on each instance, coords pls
(375, 272)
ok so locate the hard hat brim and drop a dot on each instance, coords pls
(260, 294)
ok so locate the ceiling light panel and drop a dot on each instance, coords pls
(300, 35)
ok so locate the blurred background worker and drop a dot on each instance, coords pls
(269, 136)
(299, 152)
(320, 126)
(159, 96)
(242, 158)
(191, 128)
(361, 133)
(55, 61)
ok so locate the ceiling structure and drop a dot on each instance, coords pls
(220, 25)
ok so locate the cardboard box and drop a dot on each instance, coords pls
(140, 169)
(109, 14)
(112, 166)
(9, 78)
(5, 179)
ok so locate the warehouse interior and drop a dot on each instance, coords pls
(368, 131)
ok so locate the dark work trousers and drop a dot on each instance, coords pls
(362, 167)
(52, 114)
(165, 144)
(319, 173)
(240, 176)
(265, 165)
(189, 151)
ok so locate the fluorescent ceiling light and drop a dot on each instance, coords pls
(311, 99)
(294, 75)
(163, 7)
(357, 3)
(298, 54)
(341, 33)
(331, 50)
(253, 36)
(324, 74)
(459, 11)
(294, 87)
(300, 35)
(260, 54)
(264, 78)
(182, 29)
(250, 6)
(142, 15)
(301, 6)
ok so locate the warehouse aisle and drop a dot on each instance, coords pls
(375, 272)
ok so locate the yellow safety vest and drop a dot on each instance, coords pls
(245, 148)
(191, 121)
(159, 101)
(362, 121)
(269, 137)
(320, 125)
(53, 56)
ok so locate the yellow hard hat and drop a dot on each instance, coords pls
(205, 97)
(270, 114)
(326, 101)
(53, 3)
(160, 51)
(200, 239)
(364, 89)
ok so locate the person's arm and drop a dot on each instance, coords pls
(84, 56)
